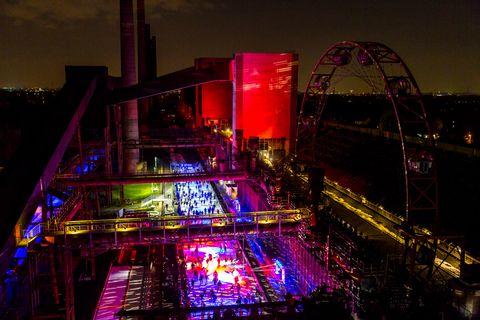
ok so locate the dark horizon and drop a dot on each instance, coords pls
(435, 39)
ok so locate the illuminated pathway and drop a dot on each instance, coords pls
(111, 300)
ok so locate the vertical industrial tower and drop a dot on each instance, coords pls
(129, 78)
(147, 64)
(133, 111)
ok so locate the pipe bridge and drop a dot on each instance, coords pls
(101, 179)
(196, 142)
(163, 228)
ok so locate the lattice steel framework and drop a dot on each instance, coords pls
(382, 72)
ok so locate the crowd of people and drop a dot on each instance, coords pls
(195, 197)
(216, 276)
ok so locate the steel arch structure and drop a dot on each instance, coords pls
(382, 71)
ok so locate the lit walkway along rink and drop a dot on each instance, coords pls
(112, 297)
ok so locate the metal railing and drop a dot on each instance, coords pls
(30, 234)
(255, 221)
(444, 248)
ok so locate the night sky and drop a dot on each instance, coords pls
(438, 39)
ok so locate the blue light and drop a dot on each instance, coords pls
(278, 263)
(56, 202)
(21, 253)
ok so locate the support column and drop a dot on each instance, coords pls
(80, 149)
(131, 134)
(86, 215)
(68, 277)
(82, 164)
(97, 202)
(53, 275)
(198, 107)
(92, 262)
(43, 189)
(108, 156)
(327, 254)
(32, 283)
(118, 132)
(412, 262)
(279, 217)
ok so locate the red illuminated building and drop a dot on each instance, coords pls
(214, 99)
(259, 100)
(265, 95)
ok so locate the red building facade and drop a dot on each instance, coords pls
(265, 96)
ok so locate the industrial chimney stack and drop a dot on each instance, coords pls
(129, 78)
(141, 50)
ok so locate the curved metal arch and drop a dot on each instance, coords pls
(395, 81)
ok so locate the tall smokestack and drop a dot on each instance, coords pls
(141, 50)
(142, 65)
(130, 110)
(127, 43)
